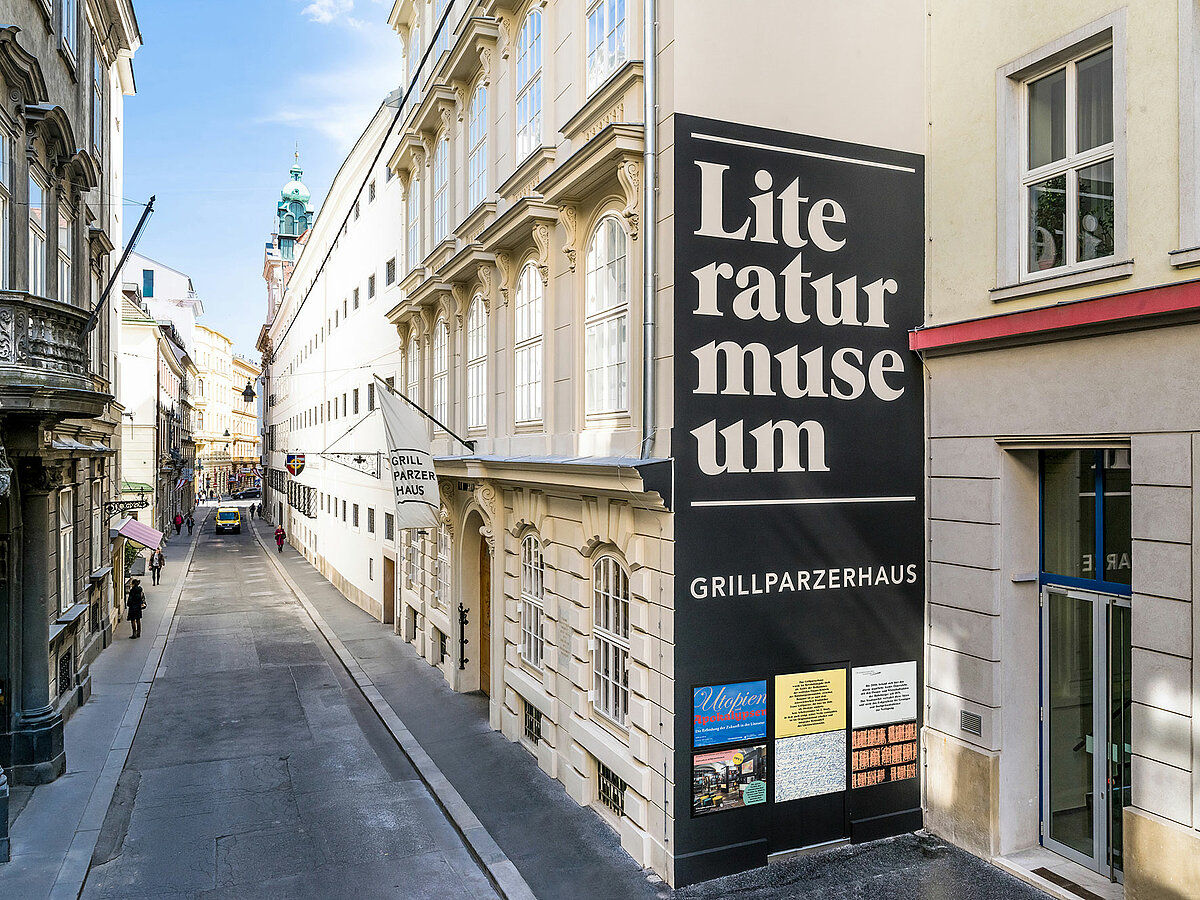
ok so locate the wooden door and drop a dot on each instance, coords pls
(389, 591)
(485, 618)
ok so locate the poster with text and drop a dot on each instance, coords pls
(729, 712)
(798, 453)
(729, 779)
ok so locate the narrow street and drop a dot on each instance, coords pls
(258, 768)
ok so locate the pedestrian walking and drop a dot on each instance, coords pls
(280, 537)
(191, 523)
(178, 522)
(134, 605)
(155, 566)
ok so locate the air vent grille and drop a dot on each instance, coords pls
(970, 722)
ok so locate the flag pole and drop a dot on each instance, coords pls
(470, 445)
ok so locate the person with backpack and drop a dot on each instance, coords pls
(134, 605)
(280, 537)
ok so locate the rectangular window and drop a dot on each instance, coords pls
(477, 149)
(1086, 518)
(343, 510)
(389, 271)
(148, 283)
(441, 189)
(354, 394)
(371, 397)
(611, 788)
(66, 549)
(532, 601)
(356, 298)
(610, 638)
(533, 723)
(370, 568)
(66, 229)
(5, 202)
(606, 45)
(370, 286)
(389, 527)
(1068, 177)
(97, 560)
(37, 238)
(70, 26)
(356, 211)
(371, 192)
(414, 224)
(370, 520)
(441, 572)
(97, 104)
(343, 405)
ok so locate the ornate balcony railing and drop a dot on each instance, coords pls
(44, 358)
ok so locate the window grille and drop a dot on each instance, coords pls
(389, 276)
(533, 723)
(533, 575)
(66, 666)
(389, 527)
(370, 286)
(370, 520)
(612, 789)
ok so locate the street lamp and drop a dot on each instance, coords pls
(248, 394)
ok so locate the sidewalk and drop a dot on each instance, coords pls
(54, 826)
(559, 849)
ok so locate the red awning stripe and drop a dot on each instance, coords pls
(1157, 301)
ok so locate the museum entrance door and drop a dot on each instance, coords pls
(1086, 690)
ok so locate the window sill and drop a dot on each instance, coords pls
(1182, 259)
(1097, 275)
(69, 58)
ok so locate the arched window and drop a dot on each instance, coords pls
(606, 44)
(441, 188)
(527, 350)
(533, 594)
(477, 364)
(606, 327)
(477, 160)
(414, 369)
(529, 85)
(414, 222)
(441, 369)
(610, 638)
(442, 44)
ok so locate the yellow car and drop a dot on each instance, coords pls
(229, 518)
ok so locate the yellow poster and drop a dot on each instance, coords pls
(810, 702)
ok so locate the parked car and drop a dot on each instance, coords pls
(248, 494)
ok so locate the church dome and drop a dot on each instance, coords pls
(295, 189)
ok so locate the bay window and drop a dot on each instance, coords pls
(606, 40)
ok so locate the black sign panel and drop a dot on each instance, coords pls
(799, 481)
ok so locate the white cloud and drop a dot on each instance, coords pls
(325, 11)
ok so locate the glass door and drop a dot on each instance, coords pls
(1085, 725)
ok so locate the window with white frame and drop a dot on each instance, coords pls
(529, 85)
(414, 223)
(477, 161)
(527, 349)
(441, 189)
(606, 328)
(412, 555)
(414, 369)
(441, 579)
(66, 228)
(1068, 176)
(97, 560)
(70, 26)
(477, 364)
(441, 369)
(606, 42)
(610, 639)
(66, 549)
(442, 43)
(533, 597)
(5, 202)
(37, 237)
(370, 520)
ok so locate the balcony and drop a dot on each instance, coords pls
(44, 359)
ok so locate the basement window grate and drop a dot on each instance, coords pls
(533, 723)
(65, 671)
(970, 722)
(612, 789)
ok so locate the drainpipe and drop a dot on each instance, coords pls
(649, 221)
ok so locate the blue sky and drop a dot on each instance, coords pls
(225, 89)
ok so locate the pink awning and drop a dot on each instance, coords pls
(140, 533)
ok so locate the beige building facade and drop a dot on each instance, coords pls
(1063, 440)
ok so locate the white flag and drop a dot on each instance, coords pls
(414, 481)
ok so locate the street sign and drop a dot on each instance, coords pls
(295, 463)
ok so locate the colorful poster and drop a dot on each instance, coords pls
(810, 702)
(729, 779)
(809, 765)
(880, 695)
(729, 712)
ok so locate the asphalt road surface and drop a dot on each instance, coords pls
(258, 769)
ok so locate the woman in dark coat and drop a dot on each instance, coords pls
(134, 606)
